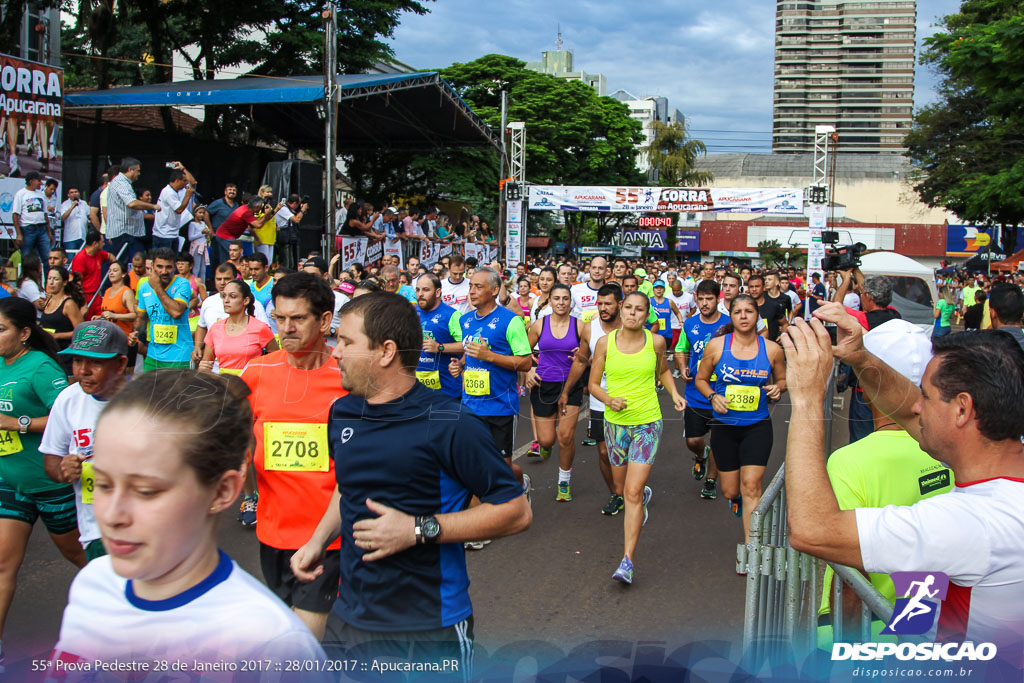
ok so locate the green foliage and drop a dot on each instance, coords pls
(967, 145)
(673, 154)
(772, 253)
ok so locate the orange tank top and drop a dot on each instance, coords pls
(114, 302)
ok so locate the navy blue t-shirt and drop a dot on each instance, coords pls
(423, 453)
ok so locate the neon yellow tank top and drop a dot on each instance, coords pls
(631, 376)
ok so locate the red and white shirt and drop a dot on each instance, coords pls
(975, 535)
(456, 296)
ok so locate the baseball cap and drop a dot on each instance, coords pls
(901, 345)
(391, 209)
(640, 272)
(97, 339)
(535, 271)
(347, 287)
(659, 283)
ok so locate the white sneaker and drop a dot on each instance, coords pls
(12, 162)
(527, 486)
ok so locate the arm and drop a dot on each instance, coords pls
(816, 524)
(139, 204)
(844, 286)
(597, 371)
(307, 562)
(64, 216)
(665, 375)
(74, 314)
(94, 216)
(702, 382)
(128, 299)
(141, 321)
(778, 361)
(200, 336)
(174, 307)
(189, 191)
(579, 366)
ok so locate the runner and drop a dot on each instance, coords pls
(584, 295)
(455, 288)
(119, 308)
(100, 354)
(609, 300)
(630, 284)
(260, 281)
(668, 314)
(523, 299)
(557, 338)
(162, 307)
(212, 309)
(403, 589)
(29, 385)
(541, 304)
(183, 264)
(771, 311)
(741, 431)
(240, 337)
(697, 419)
(165, 470)
(442, 336)
(62, 310)
(730, 289)
(292, 391)
(633, 360)
(684, 301)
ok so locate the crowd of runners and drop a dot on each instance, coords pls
(364, 422)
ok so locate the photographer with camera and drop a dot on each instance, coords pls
(288, 218)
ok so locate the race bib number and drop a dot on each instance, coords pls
(49, 331)
(295, 447)
(477, 382)
(165, 334)
(88, 482)
(10, 442)
(742, 398)
(230, 371)
(430, 379)
(587, 316)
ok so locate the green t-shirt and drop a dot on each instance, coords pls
(29, 386)
(945, 312)
(886, 467)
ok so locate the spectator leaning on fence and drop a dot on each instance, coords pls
(967, 413)
(124, 211)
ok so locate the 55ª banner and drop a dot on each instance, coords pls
(772, 200)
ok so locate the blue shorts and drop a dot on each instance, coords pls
(632, 443)
(56, 507)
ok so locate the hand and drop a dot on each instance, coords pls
(563, 402)
(617, 403)
(197, 355)
(71, 467)
(304, 208)
(429, 345)
(307, 563)
(133, 338)
(531, 379)
(108, 315)
(686, 374)
(849, 333)
(808, 361)
(17, 240)
(206, 366)
(719, 404)
(98, 317)
(391, 532)
(772, 391)
(678, 402)
(155, 208)
(478, 350)
(455, 367)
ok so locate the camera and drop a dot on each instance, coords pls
(305, 199)
(170, 164)
(844, 258)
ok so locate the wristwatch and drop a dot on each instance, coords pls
(24, 422)
(440, 348)
(427, 529)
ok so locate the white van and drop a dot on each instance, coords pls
(913, 286)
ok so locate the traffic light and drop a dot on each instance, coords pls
(513, 192)
(817, 194)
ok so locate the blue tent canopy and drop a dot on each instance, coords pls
(376, 111)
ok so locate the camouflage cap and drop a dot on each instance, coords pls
(97, 339)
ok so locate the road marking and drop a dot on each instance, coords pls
(521, 451)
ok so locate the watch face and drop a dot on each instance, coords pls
(431, 529)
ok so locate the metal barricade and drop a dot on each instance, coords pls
(783, 588)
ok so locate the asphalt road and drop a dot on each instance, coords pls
(545, 592)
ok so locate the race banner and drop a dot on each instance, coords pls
(477, 251)
(446, 250)
(374, 252)
(492, 253)
(394, 248)
(428, 253)
(353, 250)
(788, 201)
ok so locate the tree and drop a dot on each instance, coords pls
(772, 253)
(673, 154)
(967, 145)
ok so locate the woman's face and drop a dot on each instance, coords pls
(184, 267)
(11, 338)
(146, 196)
(116, 273)
(545, 281)
(561, 301)
(54, 282)
(234, 302)
(524, 288)
(744, 315)
(152, 511)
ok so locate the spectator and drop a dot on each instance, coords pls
(32, 230)
(173, 201)
(220, 209)
(58, 258)
(30, 284)
(88, 263)
(974, 312)
(125, 227)
(288, 219)
(75, 215)
(96, 218)
(52, 202)
(241, 219)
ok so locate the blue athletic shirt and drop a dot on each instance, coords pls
(422, 454)
(664, 313)
(742, 383)
(262, 295)
(505, 334)
(163, 326)
(695, 336)
(442, 325)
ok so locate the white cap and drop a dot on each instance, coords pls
(901, 345)
(535, 271)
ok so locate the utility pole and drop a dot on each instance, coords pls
(501, 172)
(515, 238)
(330, 17)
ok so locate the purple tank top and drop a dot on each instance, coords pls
(555, 357)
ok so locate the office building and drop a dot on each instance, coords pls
(558, 62)
(647, 110)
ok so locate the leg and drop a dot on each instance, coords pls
(70, 548)
(14, 535)
(314, 621)
(606, 467)
(567, 437)
(751, 482)
(636, 476)
(545, 429)
(730, 483)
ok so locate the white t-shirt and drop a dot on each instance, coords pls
(212, 310)
(794, 297)
(685, 303)
(975, 535)
(596, 332)
(167, 220)
(584, 301)
(283, 218)
(340, 299)
(30, 205)
(29, 291)
(456, 296)
(227, 617)
(77, 221)
(103, 204)
(68, 432)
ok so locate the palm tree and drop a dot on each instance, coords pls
(674, 156)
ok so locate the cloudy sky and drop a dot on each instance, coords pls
(713, 61)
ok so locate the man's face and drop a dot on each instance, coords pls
(481, 294)
(221, 279)
(937, 417)
(520, 270)
(630, 285)
(230, 191)
(755, 288)
(177, 184)
(677, 288)
(608, 308)
(234, 252)
(784, 285)
(133, 173)
(74, 195)
(310, 268)
(359, 364)
(436, 269)
(426, 294)
(257, 271)
(771, 282)
(391, 281)
(164, 269)
(50, 189)
(707, 304)
(33, 184)
(565, 274)
(414, 264)
(297, 326)
(618, 270)
(730, 288)
(56, 259)
(598, 269)
(456, 272)
(97, 375)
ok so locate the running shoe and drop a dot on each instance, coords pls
(737, 506)
(648, 494)
(700, 464)
(12, 163)
(615, 506)
(475, 545)
(247, 513)
(588, 442)
(545, 453)
(677, 374)
(708, 492)
(564, 492)
(625, 572)
(527, 486)
(534, 450)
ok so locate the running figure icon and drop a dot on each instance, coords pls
(916, 606)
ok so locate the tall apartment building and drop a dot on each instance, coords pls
(647, 110)
(558, 62)
(846, 63)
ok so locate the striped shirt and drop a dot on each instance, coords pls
(121, 219)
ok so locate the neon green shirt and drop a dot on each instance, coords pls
(632, 376)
